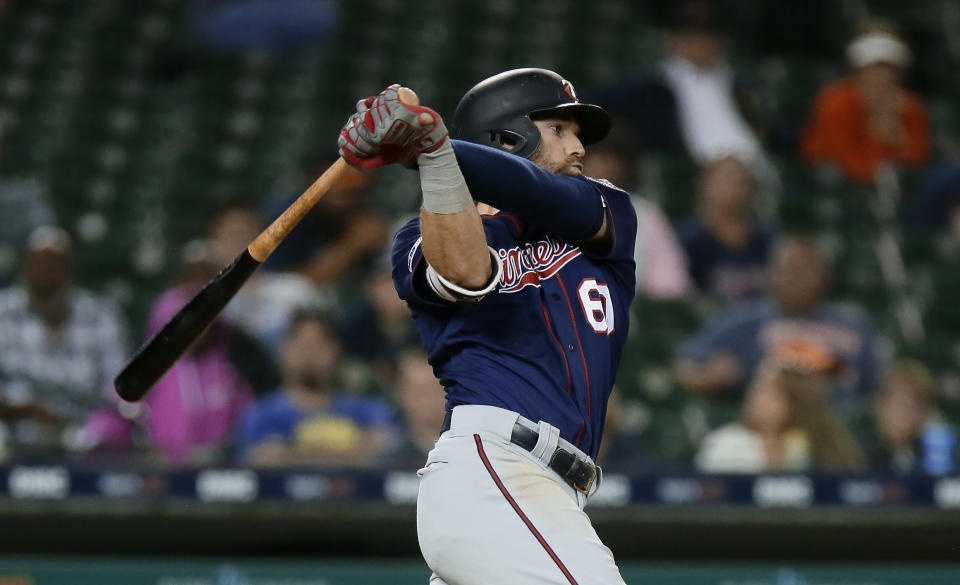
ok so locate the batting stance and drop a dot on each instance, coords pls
(522, 306)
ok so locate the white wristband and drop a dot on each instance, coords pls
(444, 190)
(449, 291)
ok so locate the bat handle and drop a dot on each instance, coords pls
(264, 244)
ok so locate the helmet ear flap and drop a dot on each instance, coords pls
(515, 142)
(507, 140)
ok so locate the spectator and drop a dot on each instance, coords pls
(272, 25)
(193, 410)
(308, 421)
(628, 446)
(907, 434)
(807, 374)
(249, 353)
(661, 264)
(60, 347)
(936, 202)
(376, 326)
(764, 439)
(265, 27)
(23, 207)
(869, 117)
(264, 306)
(787, 422)
(725, 353)
(421, 399)
(340, 237)
(726, 247)
(693, 98)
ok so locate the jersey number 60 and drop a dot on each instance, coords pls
(597, 305)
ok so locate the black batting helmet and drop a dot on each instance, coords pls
(497, 111)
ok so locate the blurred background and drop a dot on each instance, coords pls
(788, 404)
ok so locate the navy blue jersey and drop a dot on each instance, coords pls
(546, 343)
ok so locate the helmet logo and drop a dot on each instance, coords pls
(568, 89)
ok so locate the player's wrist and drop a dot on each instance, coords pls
(444, 190)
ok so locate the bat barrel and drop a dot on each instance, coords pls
(159, 353)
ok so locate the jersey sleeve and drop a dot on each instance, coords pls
(621, 221)
(561, 205)
(410, 266)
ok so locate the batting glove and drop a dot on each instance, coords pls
(385, 131)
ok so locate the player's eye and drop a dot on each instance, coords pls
(556, 129)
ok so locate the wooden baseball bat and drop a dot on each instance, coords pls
(156, 356)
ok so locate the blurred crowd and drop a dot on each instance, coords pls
(316, 361)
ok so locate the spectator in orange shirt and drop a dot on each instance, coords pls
(869, 117)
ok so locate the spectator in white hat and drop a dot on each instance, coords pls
(869, 117)
(60, 347)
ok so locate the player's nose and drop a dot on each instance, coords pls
(574, 147)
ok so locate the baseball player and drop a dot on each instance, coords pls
(522, 304)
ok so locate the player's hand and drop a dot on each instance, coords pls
(387, 129)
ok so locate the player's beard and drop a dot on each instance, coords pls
(574, 168)
(570, 167)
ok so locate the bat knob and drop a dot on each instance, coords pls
(408, 96)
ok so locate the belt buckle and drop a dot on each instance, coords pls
(593, 478)
(572, 461)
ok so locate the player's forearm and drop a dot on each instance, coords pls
(566, 206)
(454, 242)
(456, 246)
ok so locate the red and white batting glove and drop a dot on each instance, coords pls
(386, 130)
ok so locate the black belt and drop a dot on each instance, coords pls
(579, 474)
